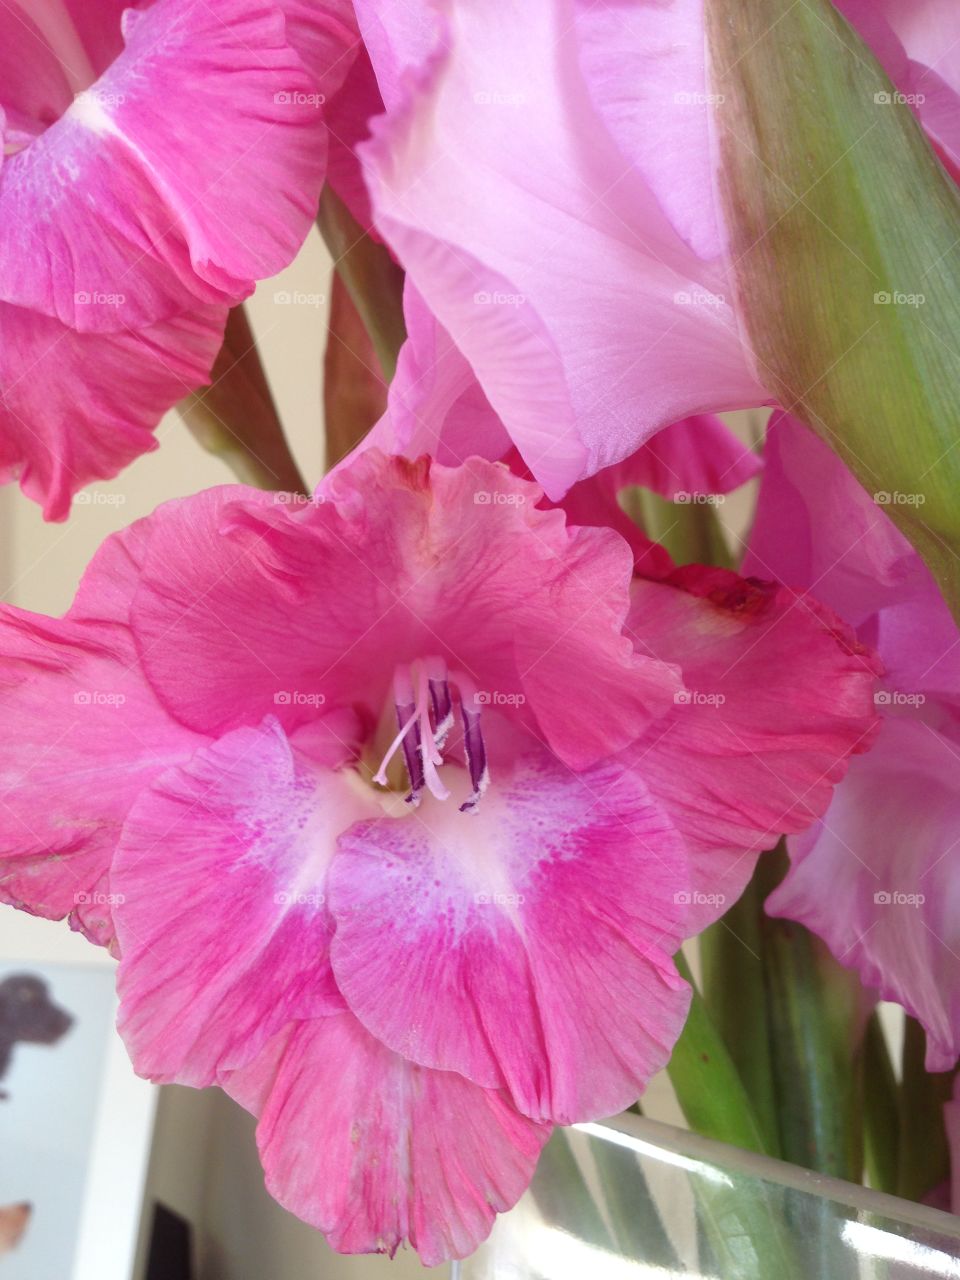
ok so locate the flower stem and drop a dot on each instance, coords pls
(706, 1082)
(236, 419)
(924, 1158)
(880, 1110)
(734, 989)
(817, 1017)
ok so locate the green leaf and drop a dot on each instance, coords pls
(845, 233)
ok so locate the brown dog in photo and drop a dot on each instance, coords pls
(14, 1220)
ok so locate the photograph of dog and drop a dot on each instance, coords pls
(14, 1220)
(27, 1016)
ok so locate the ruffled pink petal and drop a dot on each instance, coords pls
(375, 1151)
(527, 946)
(877, 878)
(620, 320)
(83, 735)
(816, 527)
(392, 562)
(348, 114)
(78, 407)
(778, 696)
(223, 927)
(35, 86)
(141, 171)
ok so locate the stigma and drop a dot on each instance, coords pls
(423, 693)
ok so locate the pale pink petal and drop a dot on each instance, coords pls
(375, 1151)
(778, 696)
(590, 318)
(527, 946)
(877, 878)
(395, 561)
(83, 735)
(435, 403)
(223, 926)
(77, 407)
(160, 201)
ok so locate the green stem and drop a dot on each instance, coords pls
(706, 1082)
(816, 1025)
(924, 1155)
(373, 279)
(880, 1110)
(235, 418)
(734, 990)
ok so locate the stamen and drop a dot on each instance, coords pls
(408, 715)
(436, 670)
(421, 737)
(429, 748)
(473, 744)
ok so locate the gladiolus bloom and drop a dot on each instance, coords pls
(401, 855)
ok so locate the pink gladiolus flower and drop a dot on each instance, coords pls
(876, 877)
(552, 195)
(155, 163)
(408, 984)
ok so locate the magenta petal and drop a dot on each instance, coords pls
(527, 946)
(375, 1151)
(778, 696)
(223, 926)
(391, 562)
(877, 878)
(84, 734)
(141, 168)
(78, 407)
